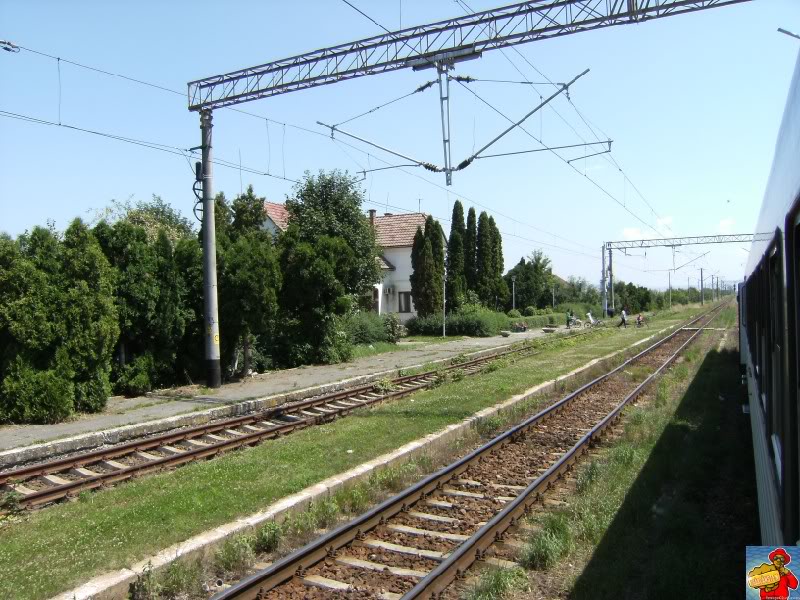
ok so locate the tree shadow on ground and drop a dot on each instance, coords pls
(683, 527)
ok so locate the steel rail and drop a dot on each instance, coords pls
(283, 570)
(475, 547)
(410, 384)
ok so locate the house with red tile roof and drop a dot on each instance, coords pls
(394, 235)
(277, 217)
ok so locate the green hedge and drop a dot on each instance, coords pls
(475, 323)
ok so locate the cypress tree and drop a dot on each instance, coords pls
(456, 283)
(485, 260)
(431, 293)
(417, 276)
(435, 279)
(457, 220)
(500, 286)
(470, 251)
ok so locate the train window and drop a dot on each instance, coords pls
(773, 376)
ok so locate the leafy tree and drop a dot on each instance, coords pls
(127, 248)
(150, 297)
(36, 381)
(153, 216)
(189, 361)
(248, 211)
(533, 280)
(90, 316)
(249, 291)
(313, 299)
(329, 205)
(470, 251)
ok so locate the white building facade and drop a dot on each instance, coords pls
(394, 235)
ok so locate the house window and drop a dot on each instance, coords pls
(405, 302)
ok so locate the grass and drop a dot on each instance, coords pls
(675, 492)
(184, 579)
(69, 543)
(363, 350)
(497, 583)
(550, 544)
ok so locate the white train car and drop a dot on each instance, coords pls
(769, 311)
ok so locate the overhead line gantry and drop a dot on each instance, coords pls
(673, 242)
(438, 45)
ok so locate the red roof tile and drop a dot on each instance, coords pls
(397, 231)
(278, 213)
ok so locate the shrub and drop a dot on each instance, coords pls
(35, 396)
(530, 311)
(268, 537)
(514, 313)
(92, 395)
(393, 328)
(235, 556)
(136, 377)
(182, 580)
(365, 328)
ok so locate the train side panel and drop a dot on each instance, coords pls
(768, 305)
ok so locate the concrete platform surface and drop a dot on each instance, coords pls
(121, 412)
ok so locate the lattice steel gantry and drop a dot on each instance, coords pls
(443, 42)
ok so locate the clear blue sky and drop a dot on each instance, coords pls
(693, 104)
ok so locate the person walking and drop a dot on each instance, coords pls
(624, 321)
(568, 320)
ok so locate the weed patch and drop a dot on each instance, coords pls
(498, 583)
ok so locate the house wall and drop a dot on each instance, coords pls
(270, 226)
(399, 280)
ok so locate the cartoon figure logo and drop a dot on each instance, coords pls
(773, 580)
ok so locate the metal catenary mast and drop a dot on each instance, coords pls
(438, 45)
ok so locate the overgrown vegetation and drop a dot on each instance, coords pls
(119, 306)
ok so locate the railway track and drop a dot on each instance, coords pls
(46, 482)
(415, 544)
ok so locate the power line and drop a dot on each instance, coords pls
(284, 125)
(564, 160)
(267, 120)
(520, 126)
(137, 142)
(419, 89)
(574, 106)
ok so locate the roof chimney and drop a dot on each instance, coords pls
(372, 212)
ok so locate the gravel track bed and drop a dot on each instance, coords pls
(476, 495)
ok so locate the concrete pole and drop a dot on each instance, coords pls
(611, 276)
(702, 289)
(669, 279)
(213, 370)
(444, 304)
(554, 296)
(444, 291)
(603, 281)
